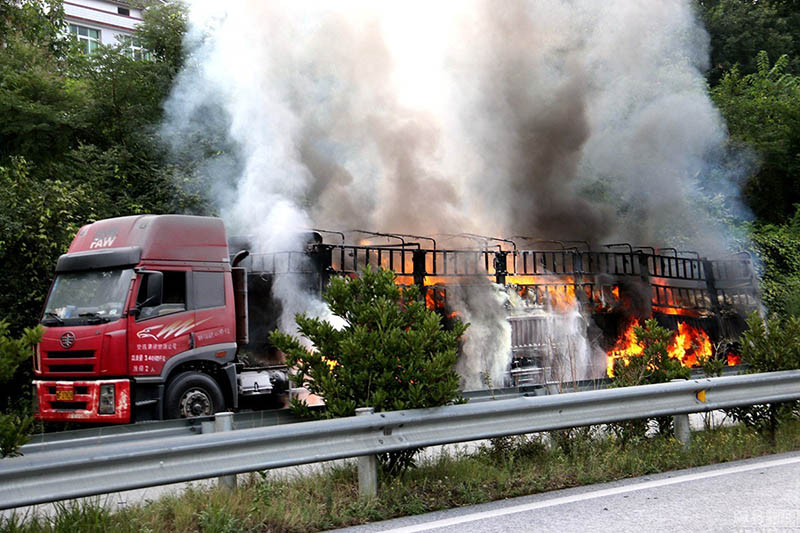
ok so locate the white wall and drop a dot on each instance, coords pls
(102, 15)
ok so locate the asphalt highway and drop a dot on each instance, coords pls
(761, 494)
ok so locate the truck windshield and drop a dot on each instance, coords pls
(87, 297)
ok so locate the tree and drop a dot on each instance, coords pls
(14, 427)
(762, 111)
(39, 219)
(778, 250)
(162, 31)
(769, 347)
(391, 354)
(653, 365)
(77, 143)
(741, 28)
(40, 100)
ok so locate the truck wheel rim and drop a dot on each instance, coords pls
(195, 402)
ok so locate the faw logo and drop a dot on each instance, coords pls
(104, 238)
(173, 330)
(103, 242)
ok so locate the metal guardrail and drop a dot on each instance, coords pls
(111, 434)
(131, 433)
(100, 469)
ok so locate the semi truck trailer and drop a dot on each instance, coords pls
(165, 316)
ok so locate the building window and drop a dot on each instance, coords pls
(88, 37)
(132, 47)
(124, 11)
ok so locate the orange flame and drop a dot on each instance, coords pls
(676, 311)
(561, 298)
(689, 345)
(625, 347)
(734, 359)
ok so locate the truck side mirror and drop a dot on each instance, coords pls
(153, 282)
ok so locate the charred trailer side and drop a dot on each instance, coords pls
(611, 286)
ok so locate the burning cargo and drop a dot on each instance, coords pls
(566, 310)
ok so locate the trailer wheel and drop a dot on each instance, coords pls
(193, 394)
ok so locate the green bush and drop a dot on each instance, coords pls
(391, 354)
(769, 347)
(653, 366)
(14, 427)
(778, 249)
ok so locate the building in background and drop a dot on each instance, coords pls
(96, 22)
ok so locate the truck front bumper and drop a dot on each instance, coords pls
(80, 401)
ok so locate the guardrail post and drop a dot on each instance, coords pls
(224, 422)
(683, 432)
(367, 466)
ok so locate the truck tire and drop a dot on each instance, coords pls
(193, 394)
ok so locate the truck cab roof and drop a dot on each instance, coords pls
(133, 239)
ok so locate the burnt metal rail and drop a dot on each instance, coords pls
(678, 281)
(91, 470)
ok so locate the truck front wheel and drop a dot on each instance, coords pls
(193, 394)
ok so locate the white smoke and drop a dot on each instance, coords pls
(551, 118)
(486, 350)
(570, 354)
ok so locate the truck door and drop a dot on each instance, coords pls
(159, 332)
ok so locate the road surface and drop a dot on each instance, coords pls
(761, 494)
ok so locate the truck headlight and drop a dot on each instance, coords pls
(106, 406)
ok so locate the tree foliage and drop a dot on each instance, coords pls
(653, 366)
(14, 428)
(162, 33)
(778, 250)
(769, 347)
(391, 354)
(39, 219)
(739, 29)
(78, 142)
(762, 111)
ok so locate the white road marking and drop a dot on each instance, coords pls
(596, 494)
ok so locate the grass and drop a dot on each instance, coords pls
(502, 468)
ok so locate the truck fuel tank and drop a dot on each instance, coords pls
(263, 381)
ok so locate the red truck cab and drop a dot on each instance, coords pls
(139, 323)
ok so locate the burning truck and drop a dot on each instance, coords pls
(153, 317)
(569, 309)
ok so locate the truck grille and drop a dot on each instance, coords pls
(71, 368)
(77, 354)
(69, 362)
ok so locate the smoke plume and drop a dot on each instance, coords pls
(557, 119)
(554, 119)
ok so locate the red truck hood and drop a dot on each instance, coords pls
(83, 351)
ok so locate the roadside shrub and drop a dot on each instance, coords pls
(653, 366)
(391, 354)
(14, 427)
(769, 347)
